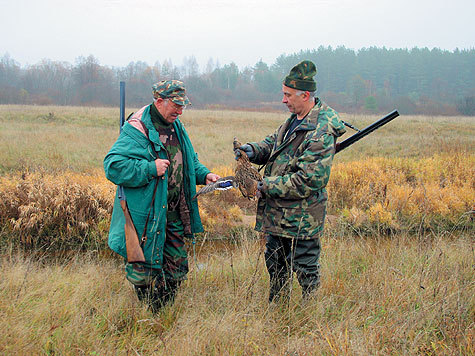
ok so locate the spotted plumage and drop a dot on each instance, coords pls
(245, 177)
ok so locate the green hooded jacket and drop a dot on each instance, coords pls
(296, 173)
(131, 164)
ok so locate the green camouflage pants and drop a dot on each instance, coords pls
(284, 256)
(158, 286)
(175, 256)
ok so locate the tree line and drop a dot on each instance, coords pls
(414, 81)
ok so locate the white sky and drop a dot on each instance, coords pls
(118, 32)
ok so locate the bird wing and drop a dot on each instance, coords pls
(224, 183)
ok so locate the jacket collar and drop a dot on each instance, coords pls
(154, 136)
(309, 123)
(152, 132)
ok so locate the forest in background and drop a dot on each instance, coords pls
(369, 80)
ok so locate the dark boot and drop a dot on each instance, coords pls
(169, 291)
(143, 293)
(279, 290)
(274, 292)
(152, 296)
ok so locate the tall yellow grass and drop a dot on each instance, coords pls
(405, 193)
(374, 195)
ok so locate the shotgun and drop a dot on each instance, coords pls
(367, 130)
(132, 243)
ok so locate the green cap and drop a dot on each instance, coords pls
(171, 89)
(301, 77)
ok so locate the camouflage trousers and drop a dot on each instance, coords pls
(285, 256)
(159, 286)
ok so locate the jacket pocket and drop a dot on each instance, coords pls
(299, 218)
(139, 219)
(293, 220)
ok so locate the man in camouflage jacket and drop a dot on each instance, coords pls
(297, 158)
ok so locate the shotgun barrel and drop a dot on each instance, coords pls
(122, 105)
(366, 131)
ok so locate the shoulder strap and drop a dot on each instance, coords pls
(139, 124)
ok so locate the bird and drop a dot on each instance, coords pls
(245, 177)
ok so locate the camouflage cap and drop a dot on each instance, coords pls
(171, 89)
(301, 77)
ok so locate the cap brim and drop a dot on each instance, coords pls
(181, 100)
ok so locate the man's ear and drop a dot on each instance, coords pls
(159, 102)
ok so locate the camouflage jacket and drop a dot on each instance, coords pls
(296, 173)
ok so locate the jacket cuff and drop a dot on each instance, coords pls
(152, 169)
(265, 185)
(202, 179)
(255, 149)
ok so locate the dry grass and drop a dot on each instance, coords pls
(412, 296)
(408, 294)
(56, 138)
(378, 195)
(408, 194)
(212, 133)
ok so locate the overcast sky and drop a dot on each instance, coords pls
(118, 32)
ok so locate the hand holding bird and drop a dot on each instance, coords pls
(246, 176)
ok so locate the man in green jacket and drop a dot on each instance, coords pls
(292, 207)
(153, 157)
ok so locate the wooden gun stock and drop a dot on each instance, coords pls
(132, 244)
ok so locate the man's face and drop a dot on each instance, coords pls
(294, 102)
(168, 109)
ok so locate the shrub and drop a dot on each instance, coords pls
(64, 210)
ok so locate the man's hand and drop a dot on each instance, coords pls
(211, 178)
(248, 150)
(162, 165)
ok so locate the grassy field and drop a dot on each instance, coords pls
(398, 259)
(78, 138)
